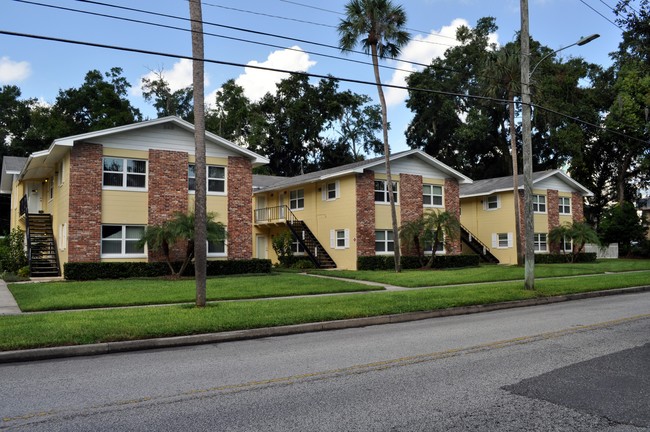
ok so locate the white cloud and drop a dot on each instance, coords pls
(178, 77)
(423, 49)
(257, 82)
(12, 71)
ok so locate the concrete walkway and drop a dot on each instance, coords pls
(8, 305)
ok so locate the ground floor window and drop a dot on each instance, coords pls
(296, 246)
(428, 247)
(340, 239)
(217, 248)
(567, 244)
(384, 241)
(540, 243)
(502, 240)
(122, 241)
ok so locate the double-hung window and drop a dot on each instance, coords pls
(492, 202)
(215, 178)
(296, 246)
(384, 241)
(432, 195)
(539, 203)
(297, 199)
(217, 248)
(381, 191)
(122, 241)
(540, 244)
(565, 205)
(567, 244)
(125, 173)
(428, 247)
(331, 191)
(340, 239)
(501, 240)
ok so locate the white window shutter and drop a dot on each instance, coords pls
(338, 189)
(323, 192)
(495, 240)
(485, 204)
(498, 202)
(347, 238)
(332, 239)
(509, 239)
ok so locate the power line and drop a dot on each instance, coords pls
(603, 16)
(267, 15)
(307, 74)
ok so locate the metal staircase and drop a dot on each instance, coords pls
(477, 246)
(41, 246)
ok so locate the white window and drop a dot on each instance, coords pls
(540, 244)
(381, 191)
(428, 247)
(217, 248)
(384, 241)
(63, 237)
(432, 195)
(331, 191)
(215, 179)
(296, 246)
(61, 174)
(501, 240)
(297, 199)
(539, 203)
(565, 205)
(492, 202)
(340, 239)
(125, 173)
(122, 241)
(51, 191)
(567, 244)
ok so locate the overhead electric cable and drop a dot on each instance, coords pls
(603, 16)
(307, 74)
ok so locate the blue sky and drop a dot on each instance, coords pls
(41, 68)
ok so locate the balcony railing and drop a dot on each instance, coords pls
(274, 215)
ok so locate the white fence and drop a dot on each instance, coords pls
(610, 251)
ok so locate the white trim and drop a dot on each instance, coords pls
(545, 204)
(560, 206)
(431, 195)
(125, 175)
(123, 241)
(486, 206)
(217, 254)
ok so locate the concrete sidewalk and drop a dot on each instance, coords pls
(8, 305)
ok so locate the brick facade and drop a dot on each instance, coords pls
(411, 205)
(240, 208)
(85, 212)
(452, 205)
(366, 214)
(553, 212)
(168, 194)
(577, 207)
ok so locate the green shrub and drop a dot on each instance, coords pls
(387, 262)
(24, 272)
(122, 270)
(12, 251)
(303, 264)
(583, 257)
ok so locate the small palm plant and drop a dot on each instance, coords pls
(580, 233)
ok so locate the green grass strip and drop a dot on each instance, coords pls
(129, 292)
(85, 327)
(486, 273)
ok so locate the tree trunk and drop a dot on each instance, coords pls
(389, 179)
(200, 213)
(515, 178)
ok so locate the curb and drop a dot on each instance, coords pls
(237, 335)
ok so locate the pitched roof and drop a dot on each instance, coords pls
(357, 167)
(11, 165)
(504, 184)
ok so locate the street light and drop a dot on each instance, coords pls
(529, 227)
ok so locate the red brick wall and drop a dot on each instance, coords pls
(410, 202)
(577, 207)
(168, 193)
(452, 205)
(240, 208)
(85, 214)
(366, 214)
(553, 213)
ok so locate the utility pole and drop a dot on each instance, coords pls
(529, 227)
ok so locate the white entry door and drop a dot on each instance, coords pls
(261, 215)
(262, 247)
(34, 195)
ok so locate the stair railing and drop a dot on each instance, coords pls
(24, 211)
(472, 238)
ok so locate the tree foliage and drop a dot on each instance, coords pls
(621, 224)
(579, 233)
(168, 102)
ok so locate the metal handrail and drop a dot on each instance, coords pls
(474, 238)
(275, 214)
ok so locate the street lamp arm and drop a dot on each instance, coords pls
(583, 41)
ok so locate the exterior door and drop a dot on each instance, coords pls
(281, 208)
(260, 205)
(34, 195)
(262, 247)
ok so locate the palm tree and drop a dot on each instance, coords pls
(159, 237)
(379, 26)
(440, 226)
(412, 235)
(580, 233)
(200, 251)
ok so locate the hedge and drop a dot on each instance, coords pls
(122, 270)
(583, 257)
(387, 262)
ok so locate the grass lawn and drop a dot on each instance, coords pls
(92, 294)
(93, 326)
(486, 273)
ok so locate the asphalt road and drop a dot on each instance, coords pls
(575, 366)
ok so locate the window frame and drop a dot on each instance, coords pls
(564, 243)
(537, 242)
(537, 205)
(297, 199)
(296, 246)
(562, 206)
(192, 168)
(340, 238)
(431, 195)
(384, 191)
(427, 248)
(487, 203)
(326, 191)
(123, 242)
(125, 175)
(217, 254)
(386, 242)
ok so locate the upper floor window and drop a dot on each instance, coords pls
(539, 203)
(432, 195)
(492, 202)
(297, 199)
(122, 241)
(381, 191)
(215, 178)
(565, 205)
(125, 173)
(331, 191)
